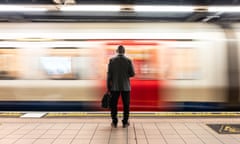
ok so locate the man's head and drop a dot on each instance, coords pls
(120, 49)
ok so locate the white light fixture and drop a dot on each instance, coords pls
(231, 9)
(16, 8)
(151, 8)
(90, 8)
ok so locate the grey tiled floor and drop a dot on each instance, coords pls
(98, 131)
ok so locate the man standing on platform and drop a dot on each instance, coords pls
(120, 69)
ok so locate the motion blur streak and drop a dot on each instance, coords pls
(54, 66)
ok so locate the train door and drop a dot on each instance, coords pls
(146, 84)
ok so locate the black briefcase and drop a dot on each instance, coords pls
(106, 100)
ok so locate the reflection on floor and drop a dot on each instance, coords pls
(97, 130)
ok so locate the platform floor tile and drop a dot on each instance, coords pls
(98, 131)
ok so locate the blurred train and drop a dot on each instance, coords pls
(62, 66)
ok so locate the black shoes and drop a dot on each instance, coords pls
(125, 124)
(114, 123)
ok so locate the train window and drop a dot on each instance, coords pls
(9, 67)
(58, 63)
(70, 63)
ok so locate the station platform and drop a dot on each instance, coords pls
(94, 128)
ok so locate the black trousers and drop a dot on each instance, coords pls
(114, 101)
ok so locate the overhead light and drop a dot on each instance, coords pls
(151, 8)
(90, 8)
(224, 9)
(18, 8)
(64, 1)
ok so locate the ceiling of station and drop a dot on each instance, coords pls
(56, 15)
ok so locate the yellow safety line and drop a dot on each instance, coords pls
(133, 114)
(154, 114)
(10, 114)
